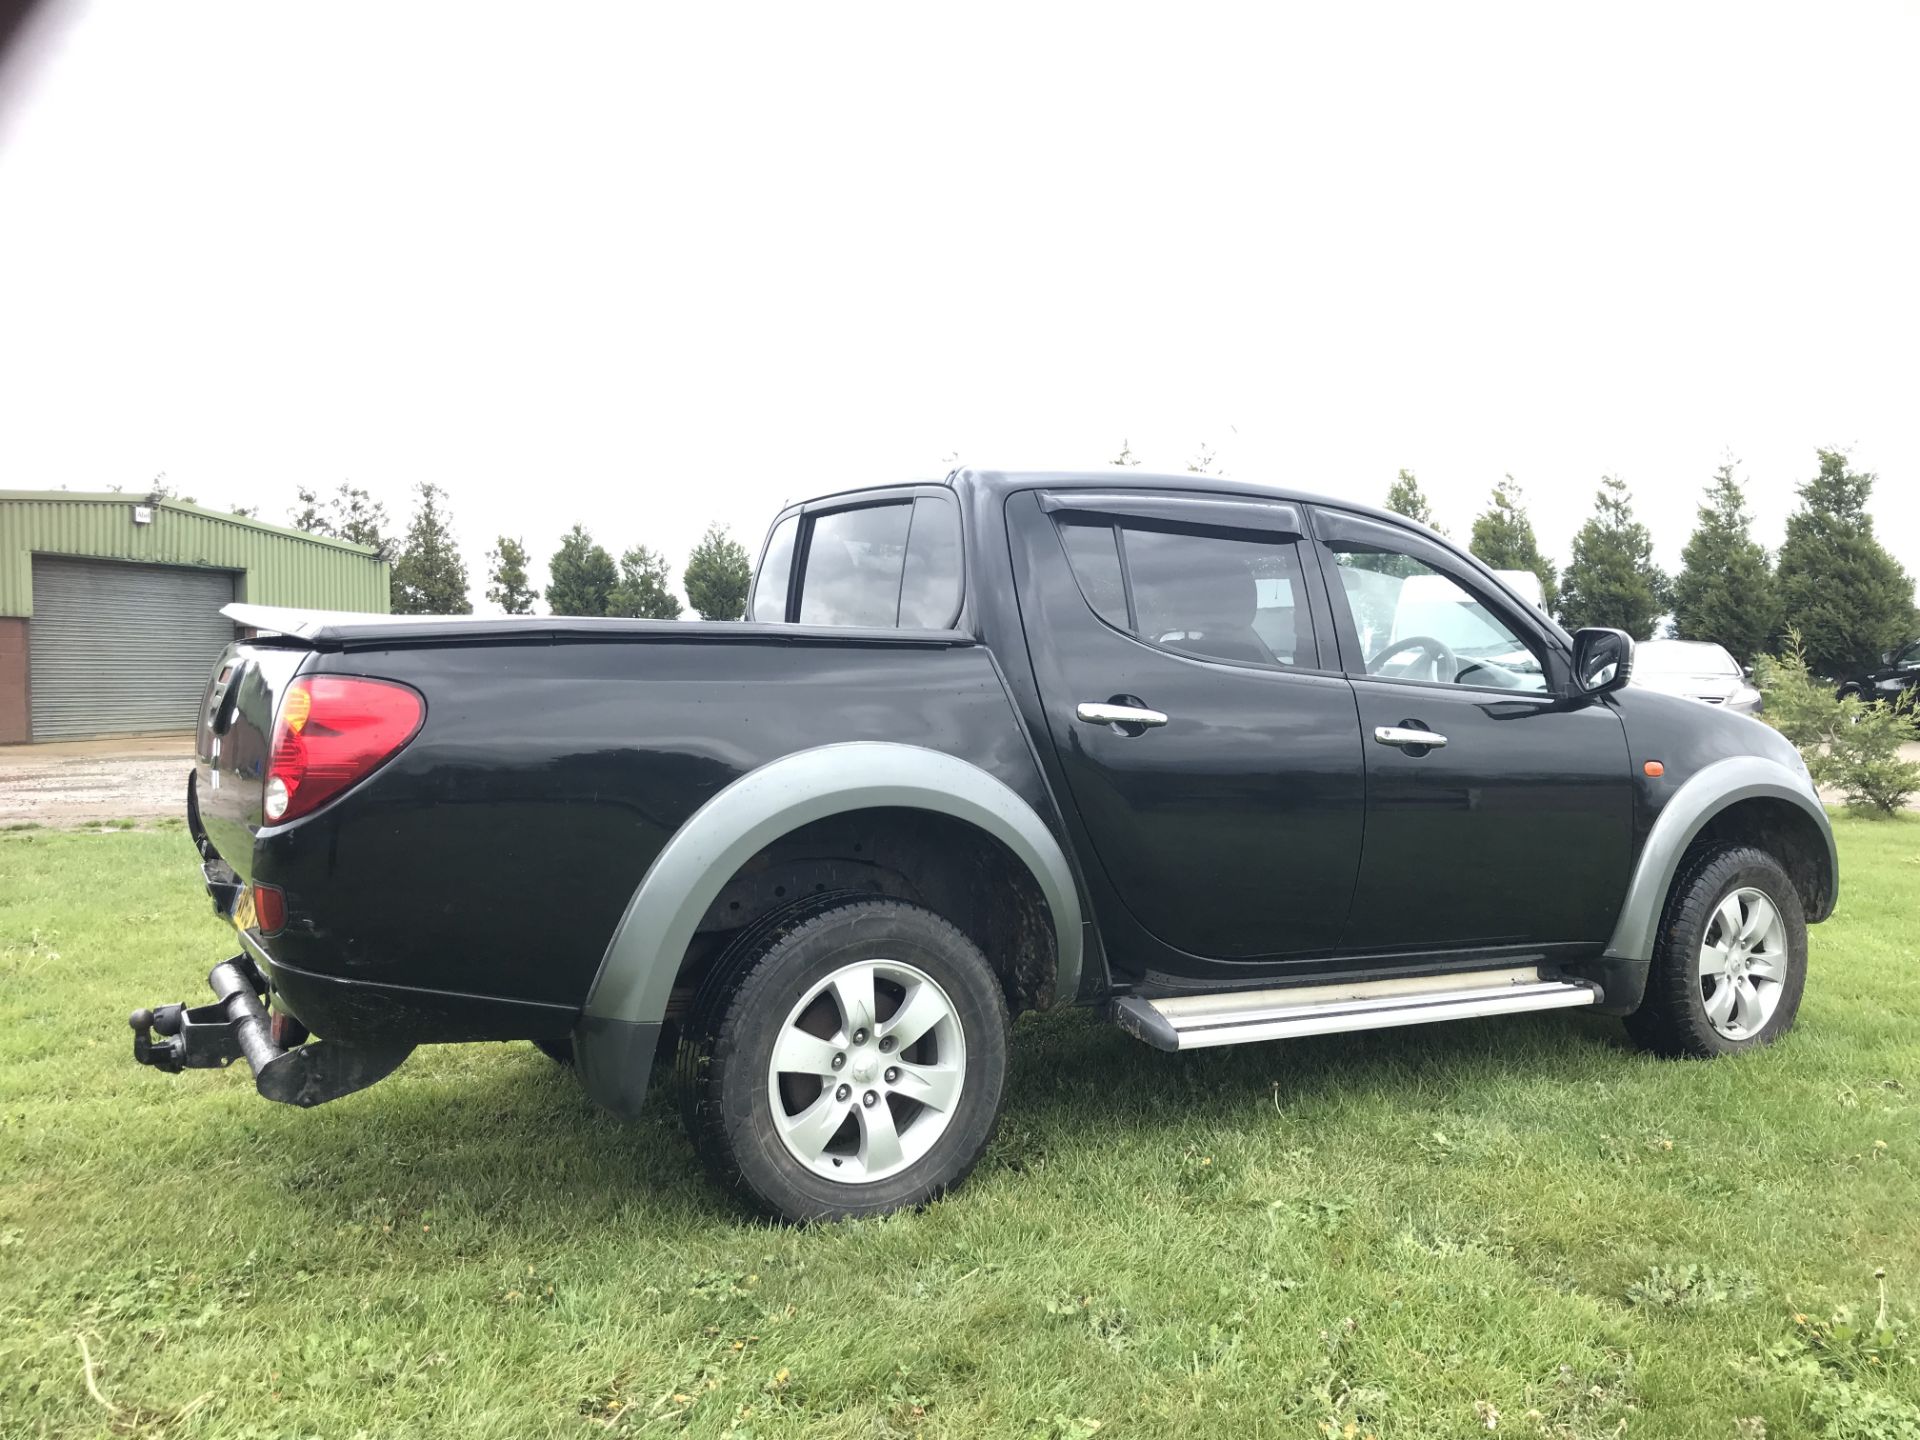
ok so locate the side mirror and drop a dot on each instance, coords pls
(1602, 660)
(1746, 671)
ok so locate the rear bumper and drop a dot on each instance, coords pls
(370, 1013)
(236, 1026)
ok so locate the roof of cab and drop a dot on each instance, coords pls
(1005, 482)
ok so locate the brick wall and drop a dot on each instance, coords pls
(14, 715)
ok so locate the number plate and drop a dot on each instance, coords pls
(243, 910)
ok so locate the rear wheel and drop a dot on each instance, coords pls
(1730, 961)
(850, 1063)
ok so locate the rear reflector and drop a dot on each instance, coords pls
(331, 733)
(269, 909)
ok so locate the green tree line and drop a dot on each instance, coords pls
(430, 578)
(1833, 583)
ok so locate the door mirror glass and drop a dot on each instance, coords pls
(1602, 659)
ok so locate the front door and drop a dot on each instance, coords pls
(1225, 813)
(1512, 825)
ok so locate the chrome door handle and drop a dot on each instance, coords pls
(1401, 738)
(1090, 713)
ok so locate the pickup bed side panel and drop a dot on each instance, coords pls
(494, 856)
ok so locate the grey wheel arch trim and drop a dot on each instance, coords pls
(637, 972)
(1720, 785)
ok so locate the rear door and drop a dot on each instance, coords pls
(1230, 830)
(1515, 827)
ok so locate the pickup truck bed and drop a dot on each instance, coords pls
(585, 745)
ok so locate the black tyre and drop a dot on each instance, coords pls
(848, 1060)
(1730, 959)
(558, 1051)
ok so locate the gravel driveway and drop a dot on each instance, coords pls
(71, 782)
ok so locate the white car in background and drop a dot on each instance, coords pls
(1696, 669)
(1526, 585)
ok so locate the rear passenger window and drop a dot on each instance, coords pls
(884, 566)
(1094, 551)
(1236, 598)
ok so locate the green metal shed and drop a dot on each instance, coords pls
(110, 605)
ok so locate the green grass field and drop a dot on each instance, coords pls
(1516, 1225)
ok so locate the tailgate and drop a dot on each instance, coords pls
(233, 741)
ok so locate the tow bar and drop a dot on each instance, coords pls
(236, 1026)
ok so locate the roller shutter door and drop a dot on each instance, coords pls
(122, 649)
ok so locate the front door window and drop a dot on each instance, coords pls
(1415, 623)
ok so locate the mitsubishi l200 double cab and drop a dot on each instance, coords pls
(1228, 764)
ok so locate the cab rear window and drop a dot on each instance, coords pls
(884, 566)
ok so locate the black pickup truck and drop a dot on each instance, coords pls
(1228, 763)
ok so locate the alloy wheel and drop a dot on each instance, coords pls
(1743, 964)
(867, 1071)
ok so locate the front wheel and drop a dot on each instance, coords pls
(854, 1066)
(1730, 961)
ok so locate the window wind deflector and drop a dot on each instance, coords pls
(1210, 512)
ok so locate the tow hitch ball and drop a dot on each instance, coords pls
(167, 1020)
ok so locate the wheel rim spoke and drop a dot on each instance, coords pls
(810, 1130)
(879, 1139)
(1714, 959)
(1749, 1010)
(798, 1053)
(853, 993)
(923, 1009)
(1765, 965)
(935, 1086)
(1720, 1004)
(1760, 920)
(1730, 918)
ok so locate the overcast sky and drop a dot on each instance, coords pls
(651, 266)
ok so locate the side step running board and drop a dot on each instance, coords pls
(1190, 1022)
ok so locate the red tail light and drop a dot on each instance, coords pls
(331, 733)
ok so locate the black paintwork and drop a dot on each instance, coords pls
(469, 888)
(1896, 678)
